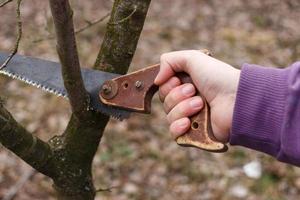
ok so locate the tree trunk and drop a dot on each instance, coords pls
(67, 158)
(79, 143)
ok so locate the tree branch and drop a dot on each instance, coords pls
(5, 2)
(122, 35)
(90, 24)
(79, 30)
(28, 147)
(19, 25)
(82, 136)
(12, 135)
(67, 51)
(119, 43)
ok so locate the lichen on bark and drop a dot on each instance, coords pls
(122, 35)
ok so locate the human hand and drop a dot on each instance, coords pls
(216, 81)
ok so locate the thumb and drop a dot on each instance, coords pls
(170, 63)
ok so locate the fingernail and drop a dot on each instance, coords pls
(196, 103)
(188, 90)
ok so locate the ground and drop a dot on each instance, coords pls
(137, 158)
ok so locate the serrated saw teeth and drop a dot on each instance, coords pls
(106, 110)
(33, 83)
(47, 75)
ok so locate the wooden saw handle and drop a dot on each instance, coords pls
(134, 91)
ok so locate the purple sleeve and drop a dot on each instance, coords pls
(267, 112)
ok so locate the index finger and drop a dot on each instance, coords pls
(170, 63)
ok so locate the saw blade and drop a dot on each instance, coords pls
(46, 75)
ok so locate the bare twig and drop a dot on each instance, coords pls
(79, 30)
(19, 25)
(15, 137)
(12, 192)
(90, 24)
(5, 2)
(106, 189)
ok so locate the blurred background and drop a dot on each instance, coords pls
(137, 158)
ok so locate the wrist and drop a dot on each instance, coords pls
(223, 108)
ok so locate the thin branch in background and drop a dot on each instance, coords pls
(19, 27)
(13, 191)
(106, 189)
(125, 18)
(5, 2)
(89, 25)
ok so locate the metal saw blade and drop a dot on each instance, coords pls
(46, 75)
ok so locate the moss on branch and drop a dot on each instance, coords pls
(122, 35)
(28, 147)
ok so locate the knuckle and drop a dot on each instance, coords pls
(172, 96)
(183, 110)
(169, 101)
(164, 56)
(194, 51)
(162, 91)
(175, 81)
(172, 83)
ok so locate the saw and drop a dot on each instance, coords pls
(113, 94)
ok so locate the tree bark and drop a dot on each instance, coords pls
(28, 147)
(80, 141)
(122, 35)
(68, 55)
(67, 158)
